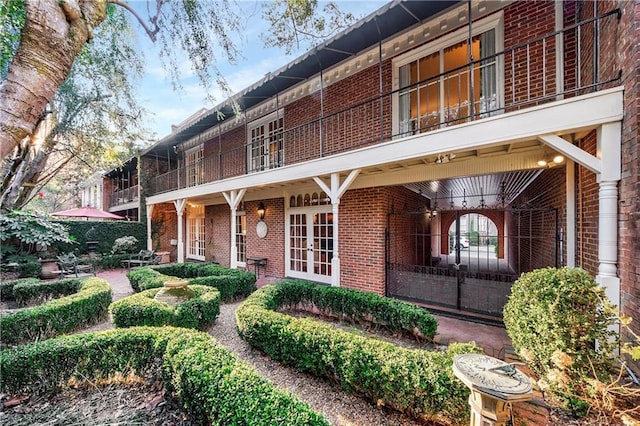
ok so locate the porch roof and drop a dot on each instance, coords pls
(387, 21)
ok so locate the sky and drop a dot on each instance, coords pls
(167, 107)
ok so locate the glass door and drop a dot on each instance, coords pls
(310, 244)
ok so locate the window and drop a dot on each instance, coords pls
(241, 236)
(435, 84)
(265, 150)
(195, 232)
(194, 168)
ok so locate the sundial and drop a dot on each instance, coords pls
(492, 376)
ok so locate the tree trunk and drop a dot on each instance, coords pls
(53, 35)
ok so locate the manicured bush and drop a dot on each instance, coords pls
(104, 232)
(415, 381)
(88, 306)
(6, 287)
(232, 283)
(143, 309)
(36, 292)
(209, 382)
(559, 321)
(553, 310)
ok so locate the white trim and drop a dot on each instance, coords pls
(559, 117)
(571, 231)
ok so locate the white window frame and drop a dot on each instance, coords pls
(241, 233)
(196, 177)
(265, 160)
(196, 219)
(493, 22)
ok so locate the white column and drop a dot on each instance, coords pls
(335, 193)
(570, 234)
(233, 199)
(609, 149)
(179, 204)
(149, 214)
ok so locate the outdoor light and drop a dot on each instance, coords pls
(261, 210)
(558, 159)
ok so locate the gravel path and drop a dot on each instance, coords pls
(338, 406)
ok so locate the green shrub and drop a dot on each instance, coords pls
(554, 318)
(111, 261)
(143, 309)
(208, 381)
(36, 292)
(415, 381)
(105, 233)
(232, 283)
(6, 287)
(88, 306)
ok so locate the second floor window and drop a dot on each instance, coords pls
(265, 150)
(194, 168)
(439, 88)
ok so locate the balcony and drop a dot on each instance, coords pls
(125, 196)
(520, 77)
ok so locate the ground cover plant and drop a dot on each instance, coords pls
(142, 309)
(560, 323)
(208, 381)
(87, 303)
(231, 283)
(418, 382)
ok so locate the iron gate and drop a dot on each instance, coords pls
(467, 268)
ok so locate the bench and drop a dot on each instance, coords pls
(143, 258)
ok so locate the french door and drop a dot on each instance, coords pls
(309, 243)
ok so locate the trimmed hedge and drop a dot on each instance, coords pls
(36, 292)
(143, 309)
(6, 287)
(88, 306)
(232, 283)
(415, 381)
(210, 383)
(106, 232)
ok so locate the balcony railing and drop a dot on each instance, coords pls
(519, 77)
(124, 196)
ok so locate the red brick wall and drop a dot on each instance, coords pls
(363, 220)
(587, 211)
(165, 221)
(531, 241)
(628, 53)
(523, 21)
(218, 233)
(271, 246)
(234, 159)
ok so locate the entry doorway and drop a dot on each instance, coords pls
(309, 243)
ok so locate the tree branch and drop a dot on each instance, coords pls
(151, 33)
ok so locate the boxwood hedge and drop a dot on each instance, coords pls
(232, 283)
(142, 309)
(6, 287)
(85, 307)
(415, 381)
(209, 382)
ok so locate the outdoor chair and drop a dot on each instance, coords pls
(70, 264)
(143, 258)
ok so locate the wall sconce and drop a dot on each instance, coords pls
(261, 210)
(175, 149)
(558, 159)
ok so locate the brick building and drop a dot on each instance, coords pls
(431, 152)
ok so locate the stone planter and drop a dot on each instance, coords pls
(50, 269)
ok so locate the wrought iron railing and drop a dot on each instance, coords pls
(519, 77)
(124, 196)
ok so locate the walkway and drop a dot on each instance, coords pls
(493, 340)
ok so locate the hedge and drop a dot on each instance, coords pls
(418, 382)
(6, 287)
(208, 381)
(232, 283)
(88, 306)
(106, 232)
(142, 309)
(37, 292)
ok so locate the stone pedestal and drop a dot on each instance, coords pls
(494, 386)
(174, 293)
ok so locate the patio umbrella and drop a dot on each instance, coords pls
(88, 213)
